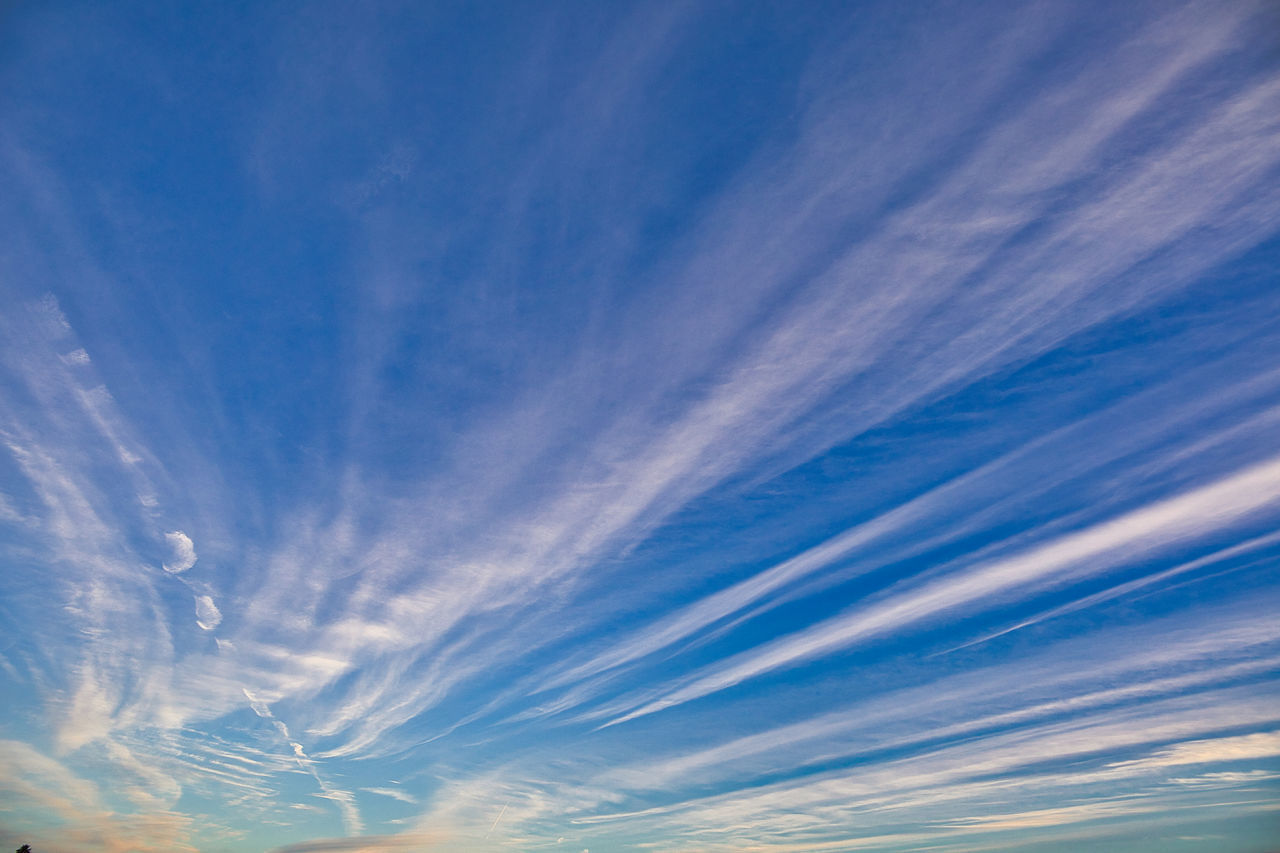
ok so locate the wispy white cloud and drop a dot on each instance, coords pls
(344, 800)
(393, 793)
(1036, 730)
(848, 326)
(883, 793)
(1145, 531)
(838, 281)
(36, 783)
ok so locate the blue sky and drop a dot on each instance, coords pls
(640, 426)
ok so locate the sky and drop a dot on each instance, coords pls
(640, 426)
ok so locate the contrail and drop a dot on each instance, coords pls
(498, 818)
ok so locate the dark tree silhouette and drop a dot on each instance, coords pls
(26, 848)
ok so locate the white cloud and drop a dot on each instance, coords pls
(1211, 751)
(208, 616)
(48, 314)
(182, 550)
(393, 793)
(1146, 531)
(944, 290)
